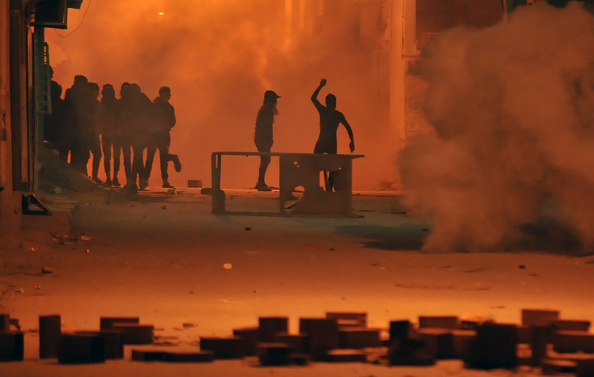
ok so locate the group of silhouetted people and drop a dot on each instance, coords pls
(83, 127)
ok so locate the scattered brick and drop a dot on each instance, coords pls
(358, 337)
(439, 342)
(461, 341)
(409, 351)
(114, 345)
(573, 341)
(270, 326)
(554, 366)
(189, 357)
(443, 322)
(250, 336)
(346, 355)
(81, 348)
(539, 317)
(274, 353)
(108, 322)
(495, 346)
(12, 346)
(224, 348)
(399, 330)
(147, 355)
(4, 322)
(134, 333)
(295, 341)
(348, 319)
(50, 328)
(322, 335)
(571, 325)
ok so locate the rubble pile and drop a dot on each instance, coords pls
(542, 340)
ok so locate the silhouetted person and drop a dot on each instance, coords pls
(76, 101)
(160, 138)
(54, 121)
(330, 119)
(93, 140)
(263, 135)
(140, 123)
(108, 127)
(125, 115)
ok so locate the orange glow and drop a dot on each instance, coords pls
(219, 57)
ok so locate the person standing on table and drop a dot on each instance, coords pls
(263, 135)
(330, 119)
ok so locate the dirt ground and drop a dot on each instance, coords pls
(164, 257)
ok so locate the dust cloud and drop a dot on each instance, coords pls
(512, 107)
(218, 57)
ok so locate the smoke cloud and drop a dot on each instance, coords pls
(218, 57)
(511, 106)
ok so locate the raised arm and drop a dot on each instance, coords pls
(314, 96)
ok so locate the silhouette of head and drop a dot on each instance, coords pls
(270, 96)
(165, 92)
(94, 89)
(80, 80)
(331, 101)
(108, 91)
(125, 89)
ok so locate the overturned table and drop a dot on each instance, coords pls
(300, 170)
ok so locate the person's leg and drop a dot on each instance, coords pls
(117, 151)
(264, 147)
(96, 151)
(106, 144)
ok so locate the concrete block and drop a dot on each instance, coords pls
(409, 351)
(188, 357)
(571, 325)
(399, 330)
(555, 366)
(4, 322)
(346, 355)
(114, 345)
(299, 358)
(223, 348)
(81, 348)
(196, 183)
(148, 355)
(495, 346)
(322, 335)
(358, 337)
(349, 319)
(539, 317)
(270, 326)
(274, 353)
(250, 336)
(439, 342)
(524, 334)
(134, 333)
(573, 341)
(50, 328)
(295, 341)
(108, 322)
(443, 322)
(541, 336)
(584, 368)
(461, 340)
(12, 345)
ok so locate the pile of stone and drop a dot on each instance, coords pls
(542, 340)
